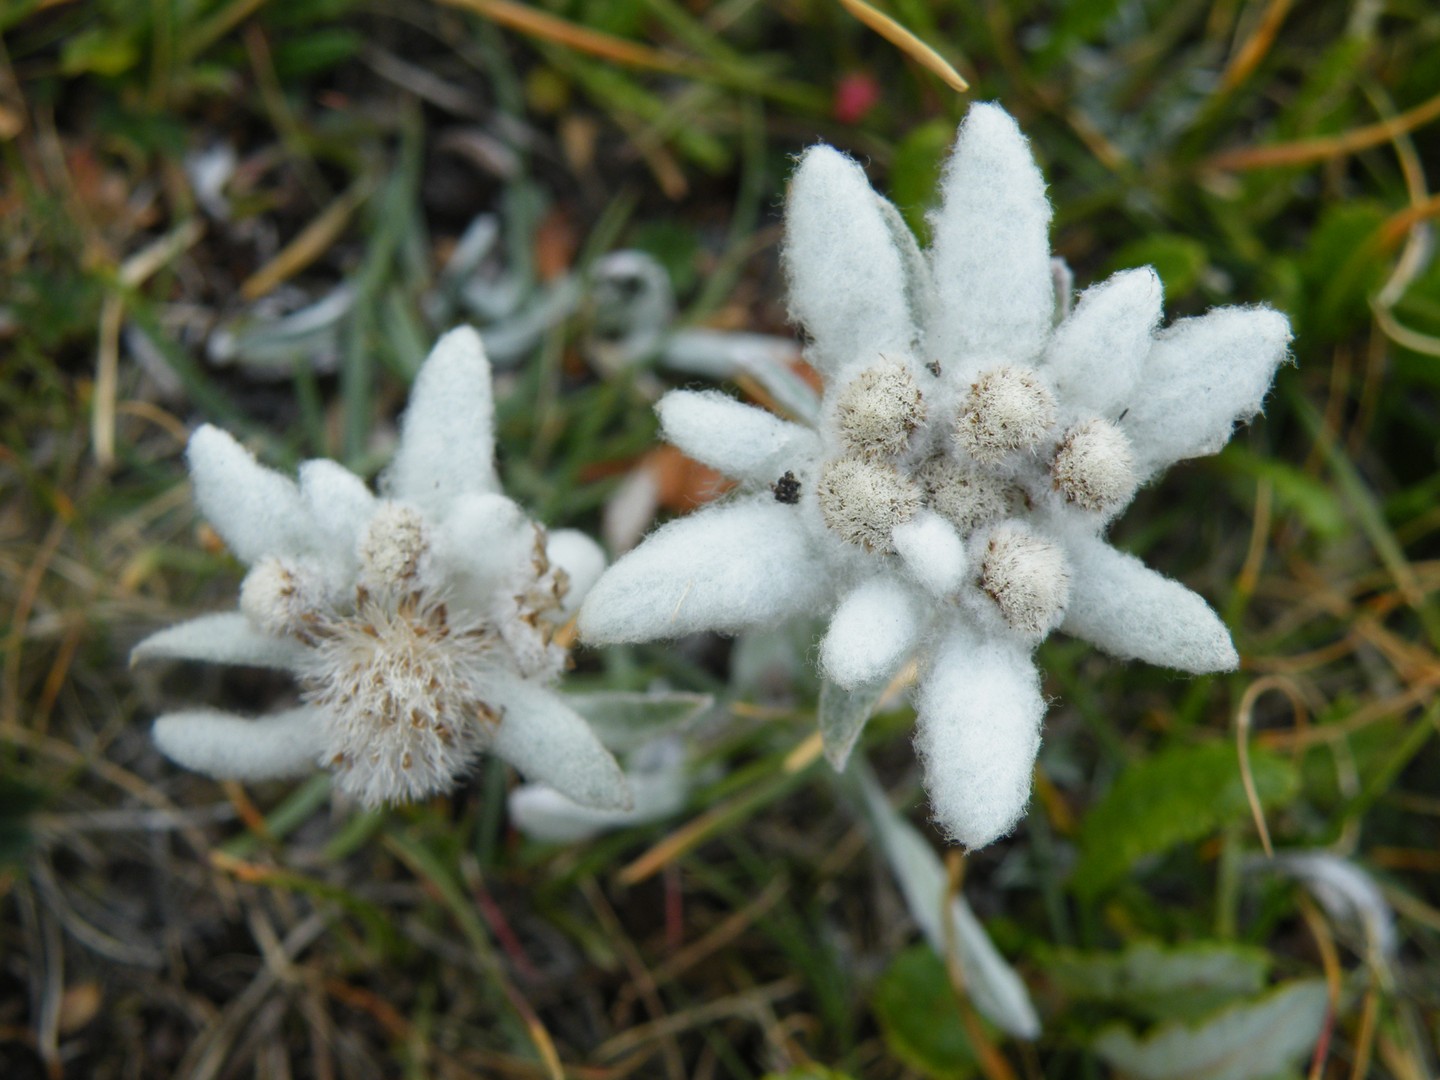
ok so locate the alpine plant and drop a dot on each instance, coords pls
(978, 432)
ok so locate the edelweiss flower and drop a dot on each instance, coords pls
(976, 436)
(419, 625)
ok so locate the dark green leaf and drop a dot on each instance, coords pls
(1179, 260)
(315, 51)
(920, 1016)
(1180, 794)
(1343, 266)
(1314, 502)
(915, 172)
(18, 801)
(100, 51)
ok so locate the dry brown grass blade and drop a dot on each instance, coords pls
(804, 755)
(1248, 58)
(1309, 151)
(642, 979)
(14, 642)
(312, 242)
(684, 839)
(56, 676)
(107, 379)
(1398, 226)
(1243, 718)
(740, 1005)
(698, 829)
(677, 963)
(906, 42)
(1249, 575)
(1422, 692)
(1334, 980)
(1057, 809)
(993, 1064)
(245, 808)
(133, 272)
(151, 413)
(549, 27)
(1402, 1061)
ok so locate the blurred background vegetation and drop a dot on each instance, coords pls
(178, 177)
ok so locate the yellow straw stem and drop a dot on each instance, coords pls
(906, 42)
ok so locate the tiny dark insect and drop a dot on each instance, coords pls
(786, 489)
(934, 368)
(1123, 414)
(628, 286)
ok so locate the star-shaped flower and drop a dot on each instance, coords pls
(419, 624)
(976, 437)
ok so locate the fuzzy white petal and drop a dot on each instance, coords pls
(542, 813)
(1122, 606)
(447, 441)
(257, 511)
(482, 543)
(226, 747)
(549, 742)
(994, 296)
(978, 731)
(582, 560)
(1095, 356)
(339, 503)
(1201, 376)
(225, 638)
(872, 631)
(932, 552)
(741, 441)
(847, 284)
(726, 568)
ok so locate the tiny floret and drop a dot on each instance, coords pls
(879, 409)
(1094, 466)
(419, 628)
(393, 547)
(1007, 409)
(281, 597)
(966, 496)
(863, 500)
(403, 693)
(1026, 577)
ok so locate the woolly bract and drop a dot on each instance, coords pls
(971, 525)
(418, 625)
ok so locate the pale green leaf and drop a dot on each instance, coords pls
(1161, 982)
(843, 715)
(1252, 1041)
(625, 721)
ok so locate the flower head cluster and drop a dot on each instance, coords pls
(976, 437)
(420, 625)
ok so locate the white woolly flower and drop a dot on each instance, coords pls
(977, 436)
(419, 625)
